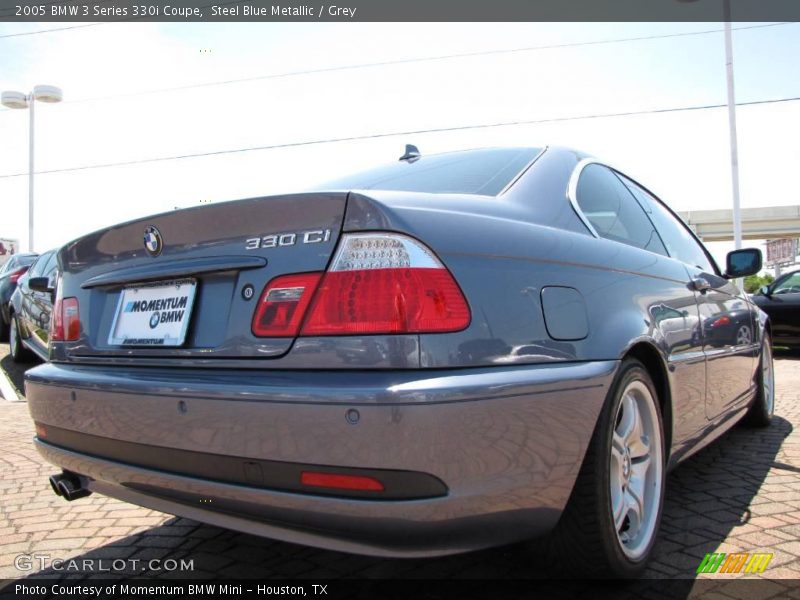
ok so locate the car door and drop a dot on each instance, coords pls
(614, 212)
(782, 304)
(30, 307)
(728, 340)
(24, 314)
(726, 325)
(42, 306)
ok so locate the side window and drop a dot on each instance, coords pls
(680, 243)
(613, 211)
(37, 270)
(50, 267)
(790, 285)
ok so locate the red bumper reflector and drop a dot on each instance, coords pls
(341, 482)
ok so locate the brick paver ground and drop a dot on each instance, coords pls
(740, 494)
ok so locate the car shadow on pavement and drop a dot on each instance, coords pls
(16, 372)
(720, 500)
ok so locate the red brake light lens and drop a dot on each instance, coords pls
(377, 283)
(282, 305)
(374, 301)
(386, 283)
(66, 326)
(724, 320)
(14, 277)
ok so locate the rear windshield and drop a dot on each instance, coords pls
(17, 261)
(486, 172)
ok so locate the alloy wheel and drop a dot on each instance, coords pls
(12, 338)
(636, 473)
(743, 336)
(768, 378)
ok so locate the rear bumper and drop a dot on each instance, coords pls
(505, 443)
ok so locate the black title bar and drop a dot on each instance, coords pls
(397, 10)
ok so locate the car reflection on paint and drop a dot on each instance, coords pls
(361, 351)
(729, 328)
(533, 353)
(673, 324)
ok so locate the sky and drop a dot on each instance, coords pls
(121, 104)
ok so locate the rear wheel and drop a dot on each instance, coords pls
(610, 523)
(4, 327)
(763, 407)
(19, 353)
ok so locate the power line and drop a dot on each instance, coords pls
(399, 133)
(415, 60)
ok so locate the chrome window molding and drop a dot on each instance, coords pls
(572, 190)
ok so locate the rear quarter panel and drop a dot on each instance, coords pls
(502, 258)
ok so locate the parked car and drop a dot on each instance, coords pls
(781, 301)
(194, 367)
(10, 272)
(30, 308)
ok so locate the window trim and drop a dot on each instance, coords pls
(572, 190)
(572, 196)
(680, 221)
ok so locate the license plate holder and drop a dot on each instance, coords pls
(154, 314)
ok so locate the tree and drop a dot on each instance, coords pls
(754, 282)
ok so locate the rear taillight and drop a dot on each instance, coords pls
(14, 277)
(385, 283)
(65, 325)
(724, 320)
(377, 283)
(282, 305)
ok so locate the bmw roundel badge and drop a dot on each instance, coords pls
(152, 241)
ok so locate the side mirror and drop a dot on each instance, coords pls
(744, 262)
(40, 284)
(765, 290)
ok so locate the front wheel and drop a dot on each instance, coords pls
(611, 520)
(763, 406)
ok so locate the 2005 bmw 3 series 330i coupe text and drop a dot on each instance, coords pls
(447, 353)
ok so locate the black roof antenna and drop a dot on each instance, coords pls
(412, 154)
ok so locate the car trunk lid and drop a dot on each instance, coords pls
(185, 284)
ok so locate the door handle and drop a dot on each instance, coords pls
(700, 284)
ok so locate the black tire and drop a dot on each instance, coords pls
(4, 327)
(586, 536)
(763, 407)
(19, 353)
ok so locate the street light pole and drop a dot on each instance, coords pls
(30, 176)
(42, 93)
(737, 216)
